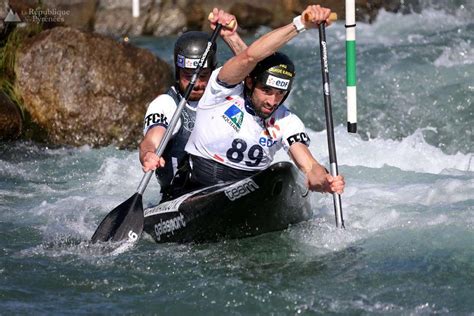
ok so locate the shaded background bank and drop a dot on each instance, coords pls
(69, 77)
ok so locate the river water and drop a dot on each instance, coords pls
(408, 246)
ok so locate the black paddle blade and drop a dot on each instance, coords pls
(125, 222)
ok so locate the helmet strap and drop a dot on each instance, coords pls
(249, 91)
(284, 98)
(176, 77)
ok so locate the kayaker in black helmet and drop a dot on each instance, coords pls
(188, 49)
(276, 71)
(241, 121)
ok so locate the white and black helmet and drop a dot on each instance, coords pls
(188, 51)
(275, 71)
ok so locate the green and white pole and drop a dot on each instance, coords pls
(351, 79)
(136, 8)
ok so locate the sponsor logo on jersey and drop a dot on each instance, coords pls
(156, 118)
(169, 226)
(278, 83)
(298, 138)
(240, 189)
(266, 142)
(234, 116)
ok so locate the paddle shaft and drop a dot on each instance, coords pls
(174, 120)
(329, 123)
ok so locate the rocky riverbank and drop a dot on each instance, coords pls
(165, 17)
(65, 80)
(77, 88)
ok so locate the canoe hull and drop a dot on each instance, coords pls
(268, 201)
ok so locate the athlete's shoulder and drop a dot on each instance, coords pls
(159, 112)
(217, 91)
(162, 101)
(283, 112)
(286, 119)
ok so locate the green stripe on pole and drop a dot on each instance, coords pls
(351, 63)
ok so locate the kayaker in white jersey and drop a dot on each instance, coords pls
(241, 122)
(187, 51)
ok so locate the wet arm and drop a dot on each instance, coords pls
(237, 68)
(235, 43)
(148, 146)
(314, 172)
(229, 35)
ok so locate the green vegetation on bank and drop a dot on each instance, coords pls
(8, 51)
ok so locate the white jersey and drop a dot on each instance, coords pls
(161, 110)
(159, 113)
(227, 131)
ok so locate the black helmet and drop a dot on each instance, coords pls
(188, 51)
(275, 71)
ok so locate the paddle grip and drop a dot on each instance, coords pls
(307, 16)
(229, 26)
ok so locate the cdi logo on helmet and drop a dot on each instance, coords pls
(191, 63)
(278, 83)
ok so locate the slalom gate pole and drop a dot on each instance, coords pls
(351, 79)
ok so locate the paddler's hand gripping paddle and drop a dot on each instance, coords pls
(328, 110)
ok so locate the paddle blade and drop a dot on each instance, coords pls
(125, 222)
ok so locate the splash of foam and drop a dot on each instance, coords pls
(388, 26)
(462, 54)
(411, 153)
